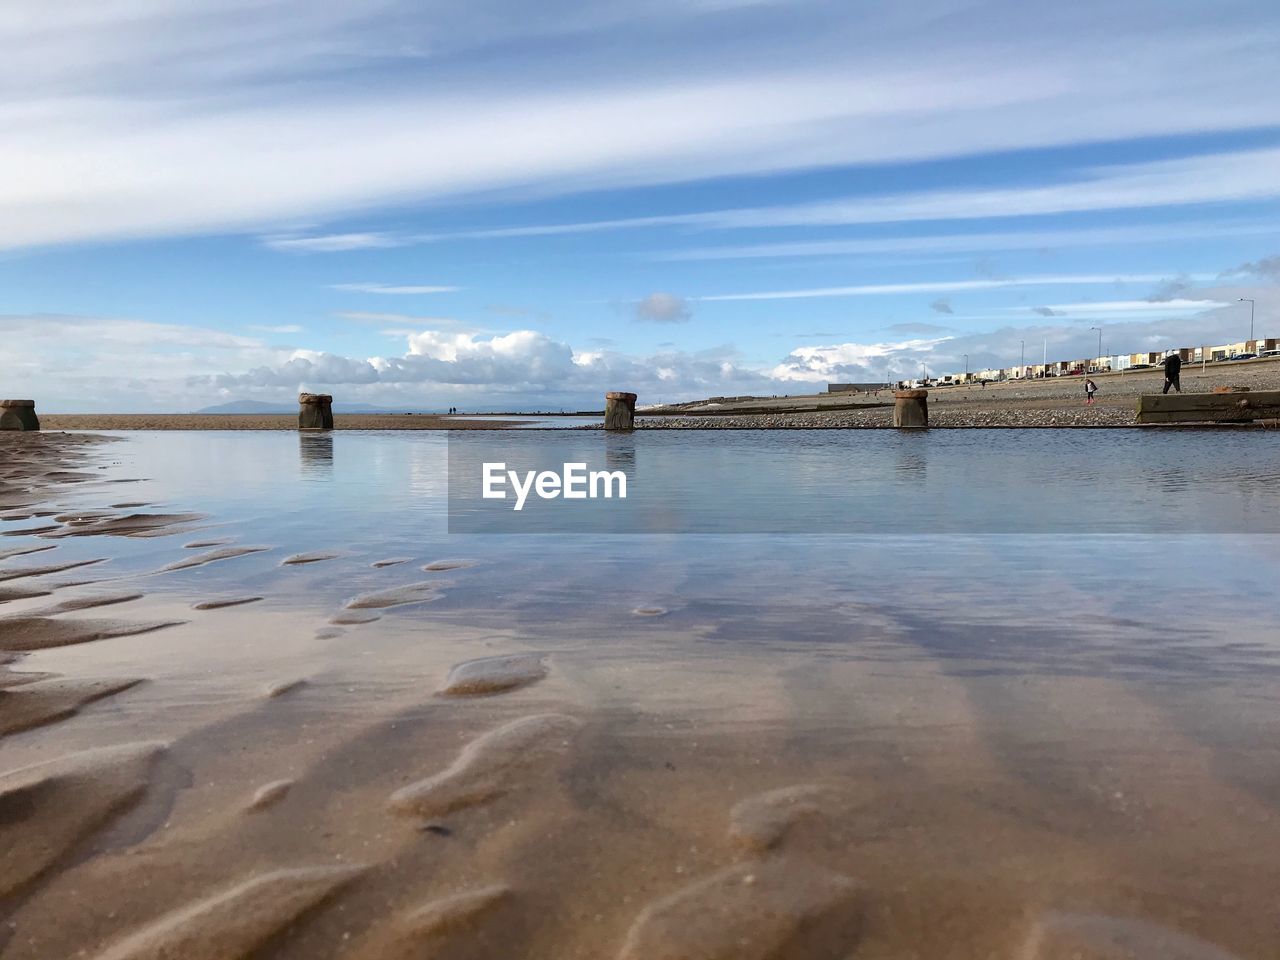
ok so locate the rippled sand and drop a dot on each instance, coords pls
(203, 777)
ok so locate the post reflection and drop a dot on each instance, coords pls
(315, 455)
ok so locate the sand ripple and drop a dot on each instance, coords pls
(1073, 936)
(773, 910)
(21, 593)
(72, 604)
(425, 931)
(494, 675)
(131, 525)
(48, 809)
(213, 556)
(221, 604)
(47, 701)
(269, 794)
(298, 559)
(398, 596)
(760, 822)
(19, 573)
(23, 551)
(20, 634)
(487, 768)
(237, 922)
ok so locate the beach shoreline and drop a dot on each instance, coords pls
(1055, 402)
(259, 421)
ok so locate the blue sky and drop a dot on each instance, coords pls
(426, 205)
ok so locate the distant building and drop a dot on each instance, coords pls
(854, 387)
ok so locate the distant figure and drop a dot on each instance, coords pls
(1172, 370)
(1090, 388)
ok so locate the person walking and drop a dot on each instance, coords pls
(1172, 370)
(1090, 388)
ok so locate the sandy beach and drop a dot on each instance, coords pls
(1056, 402)
(350, 753)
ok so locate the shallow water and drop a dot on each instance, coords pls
(973, 688)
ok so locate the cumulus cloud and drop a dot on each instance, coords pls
(941, 305)
(663, 308)
(71, 363)
(842, 362)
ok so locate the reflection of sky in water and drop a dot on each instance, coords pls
(874, 482)
(1132, 602)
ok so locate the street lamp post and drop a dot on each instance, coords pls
(1099, 329)
(966, 368)
(1250, 303)
(1023, 371)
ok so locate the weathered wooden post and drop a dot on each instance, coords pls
(619, 410)
(315, 411)
(18, 415)
(911, 408)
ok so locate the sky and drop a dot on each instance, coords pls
(495, 206)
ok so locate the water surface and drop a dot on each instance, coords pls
(1010, 675)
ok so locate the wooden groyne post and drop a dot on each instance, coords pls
(18, 415)
(619, 410)
(911, 408)
(1224, 405)
(315, 411)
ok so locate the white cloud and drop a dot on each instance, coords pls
(841, 362)
(965, 242)
(1181, 305)
(938, 286)
(128, 118)
(282, 328)
(1188, 181)
(332, 243)
(72, 363)
(391, 290)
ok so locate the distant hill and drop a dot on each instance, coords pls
(259, 406)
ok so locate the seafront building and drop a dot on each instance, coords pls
(1089, 365)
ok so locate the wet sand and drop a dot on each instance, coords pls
(613, 780)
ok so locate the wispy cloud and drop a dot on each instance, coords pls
(332, 243)
(202, 116)
(941, 305)
(937, 286)
(916, 327)
(1130, 307)
(282, 328)
(1182, 182)
(391, 290)
(967, 242)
